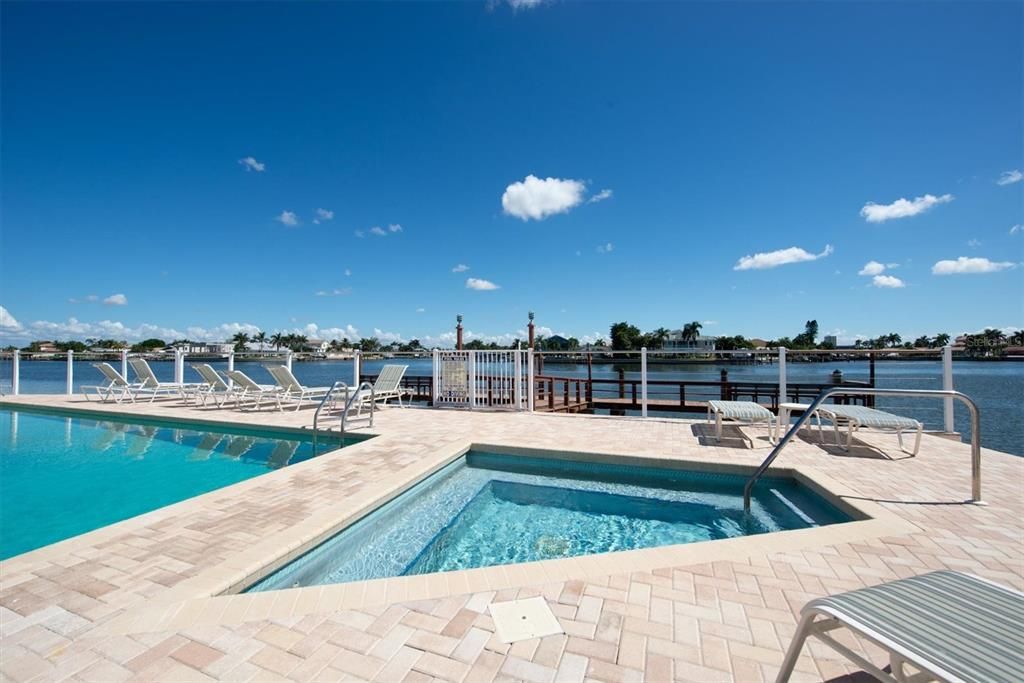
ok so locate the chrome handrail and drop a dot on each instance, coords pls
(353, 397)
(871, 391)
(328, 398)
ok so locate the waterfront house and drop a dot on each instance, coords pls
(316, 346)
(677, 341)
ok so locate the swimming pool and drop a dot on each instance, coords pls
(487, 509)
(62, 475)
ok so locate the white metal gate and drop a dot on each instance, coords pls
(492, 380)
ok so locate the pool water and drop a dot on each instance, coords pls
(487, 509)
(62, 475)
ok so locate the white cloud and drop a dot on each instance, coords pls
(387, 337)
(379, 231)
(973, 243)
(250, 164)
(871, 268)
(887, 281)
(537, 199)
(116, 300)
(709, 322)
(92, 298)
(8, 323)
(335, 292)
(605, 248)
(600, 197)
(395, 227)
(461, 268)
(524, 4)
(348, 272)
(902, 208)
(480, 285)
(421, 310)
(1010, 177)
(287, 218)
(772, 259)
(323, 215)
(360, 234)
(1016, 228)
(967, 266)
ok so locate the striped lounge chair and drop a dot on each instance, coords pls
(746, 412)
(947, 625)
(855, 417)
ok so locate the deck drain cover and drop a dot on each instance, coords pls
(524, 619)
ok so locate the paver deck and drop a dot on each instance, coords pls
(134, 601)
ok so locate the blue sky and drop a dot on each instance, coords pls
(593, 162)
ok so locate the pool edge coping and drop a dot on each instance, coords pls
(211, 597)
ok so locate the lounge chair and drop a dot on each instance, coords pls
(154, 387)
(948, 625)
(855, 417)
(388, 385)
(744, 412)
(213, 386)
(292, 389)
(247, 390)
(116, 389)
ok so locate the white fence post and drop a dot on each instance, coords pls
(231, 366)
(16, 373)
(947, 385)
(179, 365)
(517, 384)
(435, 389)
(124, 363)
(357, 370)
(643, 381)
(70, 389)
(288, 359)
(472, 379)
(783, 391)
(529, 380)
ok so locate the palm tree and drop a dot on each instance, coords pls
(691, 331)
(893, 339)
(240, 339)
(922, 342)
(277, 339)
(1017, 338)
(260, 338)
(994, 337)
(940, 340)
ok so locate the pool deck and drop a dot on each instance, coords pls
(149, 599)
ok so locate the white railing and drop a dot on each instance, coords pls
(505, 378)
(480, 379)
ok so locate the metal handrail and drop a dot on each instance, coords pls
(353, 397)
(871, 391)
(328, 398)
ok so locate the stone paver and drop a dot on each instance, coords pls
(97, 607)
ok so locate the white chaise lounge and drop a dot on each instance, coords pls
(116, 389)
(388, 385)
(292, 389)
(149, 384)
(743, 412)
(855, 417)
(949, 626)
(246, 390)
(213, 386)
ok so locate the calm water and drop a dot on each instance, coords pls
(997, 387)
(485, 510)
(61, 476)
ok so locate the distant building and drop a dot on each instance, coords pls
(701, 343)
(316, 346)
(202, 347)
(830, 339)
(556, 342)
(759, 343)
